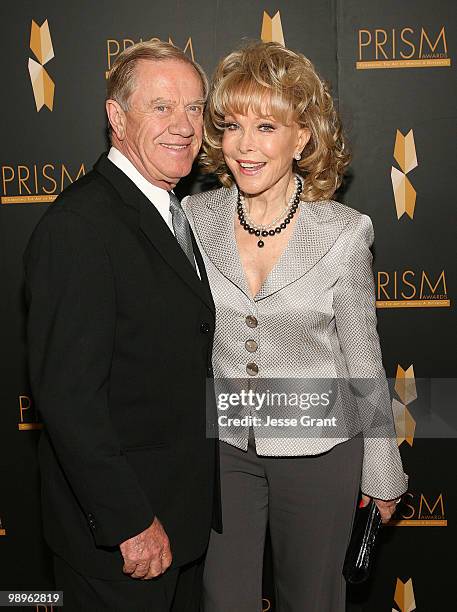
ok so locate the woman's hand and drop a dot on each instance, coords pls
(386, 508)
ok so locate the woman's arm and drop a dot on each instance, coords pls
(355, 316)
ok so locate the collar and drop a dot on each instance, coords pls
(150, 223)
(160, 198)
(316, 230)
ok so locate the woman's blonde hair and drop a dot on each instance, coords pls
(274, 81)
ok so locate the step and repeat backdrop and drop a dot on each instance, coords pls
(391, 66)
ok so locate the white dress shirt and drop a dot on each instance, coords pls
(160, 198)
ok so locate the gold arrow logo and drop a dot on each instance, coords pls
(405, 386)
(404, 596)
(42, 84)
(272, 28)
(405, 156)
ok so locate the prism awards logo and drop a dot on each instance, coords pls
(2, 528)
(402, 48)
(404, 596)
(37, 183)
(411, 289)
(115, 46)
(272, 28)
(406, 158)
(42, 84)
(405, 387)
(28, 416)
(417, 510)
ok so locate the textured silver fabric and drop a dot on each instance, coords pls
(316, 318)
(181, 227)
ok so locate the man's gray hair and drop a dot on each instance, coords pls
(121, 77)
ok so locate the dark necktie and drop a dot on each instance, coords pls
(181, 228)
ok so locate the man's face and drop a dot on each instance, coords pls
(162, 130)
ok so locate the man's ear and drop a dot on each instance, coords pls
(116, 118)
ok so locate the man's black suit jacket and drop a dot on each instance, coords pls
(120, 332)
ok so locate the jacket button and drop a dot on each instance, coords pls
(251, 321)
(252, 369)
(204, 328)
(251, 345)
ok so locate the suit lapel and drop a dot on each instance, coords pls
(214, 224)
(202, 270)
(316, 230)
(154, 228)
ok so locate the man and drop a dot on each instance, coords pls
(120, 331)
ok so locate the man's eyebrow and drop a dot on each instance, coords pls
(201, 101)
(161, 100)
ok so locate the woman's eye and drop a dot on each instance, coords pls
(231, 126)
(196, 109)
(266, 127)
(161, 108)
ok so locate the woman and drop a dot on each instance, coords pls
(290, 271)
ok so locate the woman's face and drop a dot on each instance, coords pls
(259, 151)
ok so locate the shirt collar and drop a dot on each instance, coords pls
(157, 196)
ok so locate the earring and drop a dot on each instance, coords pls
(297, 156)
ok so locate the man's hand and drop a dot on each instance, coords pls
(147, 554)
(386, 508)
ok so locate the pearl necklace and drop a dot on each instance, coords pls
(269, 230)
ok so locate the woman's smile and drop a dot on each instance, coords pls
(250, 168)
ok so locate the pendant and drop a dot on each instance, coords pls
(260, 244)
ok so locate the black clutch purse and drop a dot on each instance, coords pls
(359, 555)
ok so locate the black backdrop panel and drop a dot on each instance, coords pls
(356, 46)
